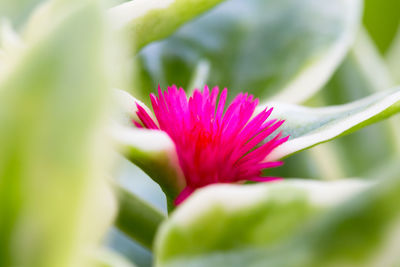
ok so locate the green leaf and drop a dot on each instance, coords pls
(53, 159)
(362, 73)
(308, 127)
(146, 21)
(17, 11)
(382, 19)
(288, 48)
(152, 151)
(137, 218)
(393, 57)
(10, 44)
(225, 225)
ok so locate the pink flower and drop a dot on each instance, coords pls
(214, 146)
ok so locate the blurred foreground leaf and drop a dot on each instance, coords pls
(232, 225)
(17, 11)
(53, 160)
(289, 48)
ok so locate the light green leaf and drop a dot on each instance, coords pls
(361, 74)
(107, 258)
(360, 228)
(288, 48)
(54, 159)
(10, 44)
(154, 152)
(17, 11)
(146, 21)
(308, 127)
(225, 225)
(393, 57)
(137, 218)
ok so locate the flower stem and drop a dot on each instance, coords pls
(137, 218)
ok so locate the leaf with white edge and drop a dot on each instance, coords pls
(126, 107)
(146, 21)
(224, 225)
(308, 127)
(154, 152)
(361, 74)
(284, 48)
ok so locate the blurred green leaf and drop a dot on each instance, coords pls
(308, 127)
(147, 21)
(284, 48)
(108, 258)
(137, 218)
(393, 57)
(382, 19)
(10, 44)
(53, 160)
(228, 225)
(17, 11)
(362, 73)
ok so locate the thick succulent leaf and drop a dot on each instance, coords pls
(264, 47)
(152, 151)
(146, 21)
(361, 74)
(308, 127)
(226, 225)
(53, 160)
(126, 108)
(361, 228)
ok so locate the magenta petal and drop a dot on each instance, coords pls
(214, 144)
(138, 125)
